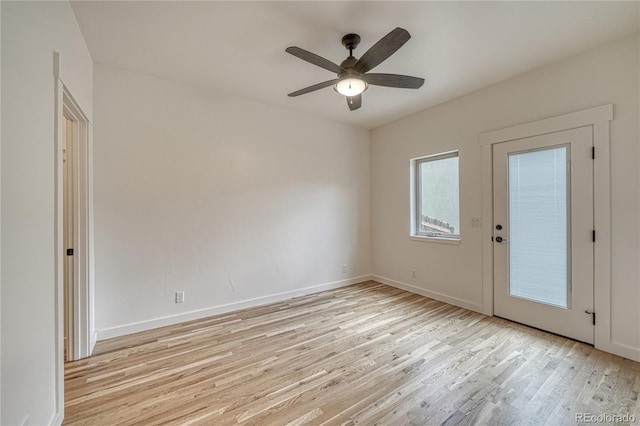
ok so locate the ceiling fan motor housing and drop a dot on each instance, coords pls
(351, 41)
(348, 64)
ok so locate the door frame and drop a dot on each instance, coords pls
(83, 309)
(78, 300)
(69, 209)
(599, 119)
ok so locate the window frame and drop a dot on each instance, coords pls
(416, 199)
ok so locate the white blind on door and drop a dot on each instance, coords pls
(538, 228)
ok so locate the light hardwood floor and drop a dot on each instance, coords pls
(368, 354)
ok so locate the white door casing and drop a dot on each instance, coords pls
(83, 265)
(599, 119)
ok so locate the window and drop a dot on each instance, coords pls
(436, 200)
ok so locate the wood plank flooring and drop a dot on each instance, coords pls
(366, 354)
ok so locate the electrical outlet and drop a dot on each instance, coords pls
(344, 269)
(179, 296)
(414, 274)
(475, 222)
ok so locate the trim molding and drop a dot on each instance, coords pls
(57, 245)
(472, 306)
(623, 350)
(572, 120)
(135, 327)
(56, 420)
(81, 309)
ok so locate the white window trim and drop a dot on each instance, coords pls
(439, 240)
(414, 187)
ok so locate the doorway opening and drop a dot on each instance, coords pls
(74, 327)
(74, 230)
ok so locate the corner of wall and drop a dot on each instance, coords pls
(472, 306)
(369, 136)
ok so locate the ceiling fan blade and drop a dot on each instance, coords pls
(354, 102)
(314, 87)
(380, 51)
(394, 80)
(314, 59)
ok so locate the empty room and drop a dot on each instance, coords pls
(323, 213)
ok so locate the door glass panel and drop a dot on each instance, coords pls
(538, 229)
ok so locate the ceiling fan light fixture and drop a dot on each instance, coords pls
(352, 75)
(351, 85)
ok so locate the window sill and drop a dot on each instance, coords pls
(425, 239)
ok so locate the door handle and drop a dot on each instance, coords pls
(500, 240)
(593, 316)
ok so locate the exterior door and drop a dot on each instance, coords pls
(543, 232)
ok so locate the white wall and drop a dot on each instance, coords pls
(30, 34)
(0, 217)
(454, 272)
(232, 201)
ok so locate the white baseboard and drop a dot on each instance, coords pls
(622, 350)
(619, 349)
(122, 330)
(613, 347)
(476, 307)
(55, 421)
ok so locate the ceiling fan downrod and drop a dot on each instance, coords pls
(350, 42)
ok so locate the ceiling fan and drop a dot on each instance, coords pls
(353, 75)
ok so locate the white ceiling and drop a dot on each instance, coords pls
(238, 47)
